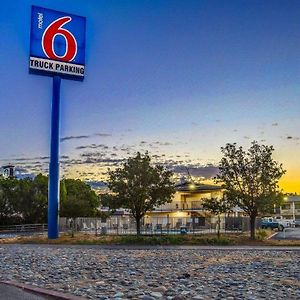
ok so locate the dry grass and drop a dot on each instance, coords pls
(238, 239)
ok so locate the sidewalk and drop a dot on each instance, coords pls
(12, 290)
(8, 292)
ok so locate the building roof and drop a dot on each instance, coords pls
(7, 166)
(293, 198)
(196, 187)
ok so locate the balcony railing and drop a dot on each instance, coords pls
(289, 211)
(180, 205)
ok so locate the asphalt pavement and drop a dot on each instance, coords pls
(8, 292)
(288, 234)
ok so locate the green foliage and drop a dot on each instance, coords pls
(77, 199)
(173, 240)
(151, 240)
(261, 234)
(139, 187)
(33, 199)
(23, 201)
(26, 200)
(103, 215)
(109, 200)
(221, 241)
(217, 206)
(8, 200)
(251, 179)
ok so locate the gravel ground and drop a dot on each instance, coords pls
(98, 273)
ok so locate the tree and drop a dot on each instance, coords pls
(8, 199)
(32, 202)
(23, 201)
(41, 196)
(217, 207)
(251, 179)
(78, 200)
(139, 187)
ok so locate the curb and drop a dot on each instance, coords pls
(42, 292)
(272, 235)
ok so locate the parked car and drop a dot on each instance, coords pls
(269, 223)
(275, 223)
(297, 223)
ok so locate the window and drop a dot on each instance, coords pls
(202, 221)
(286, 206)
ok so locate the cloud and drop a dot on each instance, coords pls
(92, 146)
(97, 184)
(275, 124)
(157, 144)
(206, 172)
(29, 158)
(102, 134)
(22, 159)
(64, 157)
(74, 137)
(162, 143)
(43, 157)
(104, 160)
(21, 170)
(71, 162)
(289, 137)
(92, 154)
(78, 137)
(293, 138)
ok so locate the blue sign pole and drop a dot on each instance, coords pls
(53, 193)
(62, 57)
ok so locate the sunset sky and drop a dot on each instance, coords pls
(177, 78)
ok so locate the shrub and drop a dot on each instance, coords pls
(222, 241)
(261, 234)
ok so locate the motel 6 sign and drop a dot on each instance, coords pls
(57, 43)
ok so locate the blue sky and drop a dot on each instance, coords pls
(177, 78)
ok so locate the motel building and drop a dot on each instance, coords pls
(185, 209)
(291, 208)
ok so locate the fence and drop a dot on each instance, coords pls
(23, 229)
(119, 225)
(240, 223)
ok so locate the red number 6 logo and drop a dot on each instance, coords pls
(54, 29)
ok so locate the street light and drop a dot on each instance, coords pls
(192, 186)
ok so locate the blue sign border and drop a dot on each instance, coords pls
(39, 63)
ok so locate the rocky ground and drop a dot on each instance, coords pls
(98, 273)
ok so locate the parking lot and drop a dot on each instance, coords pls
(288, 234)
